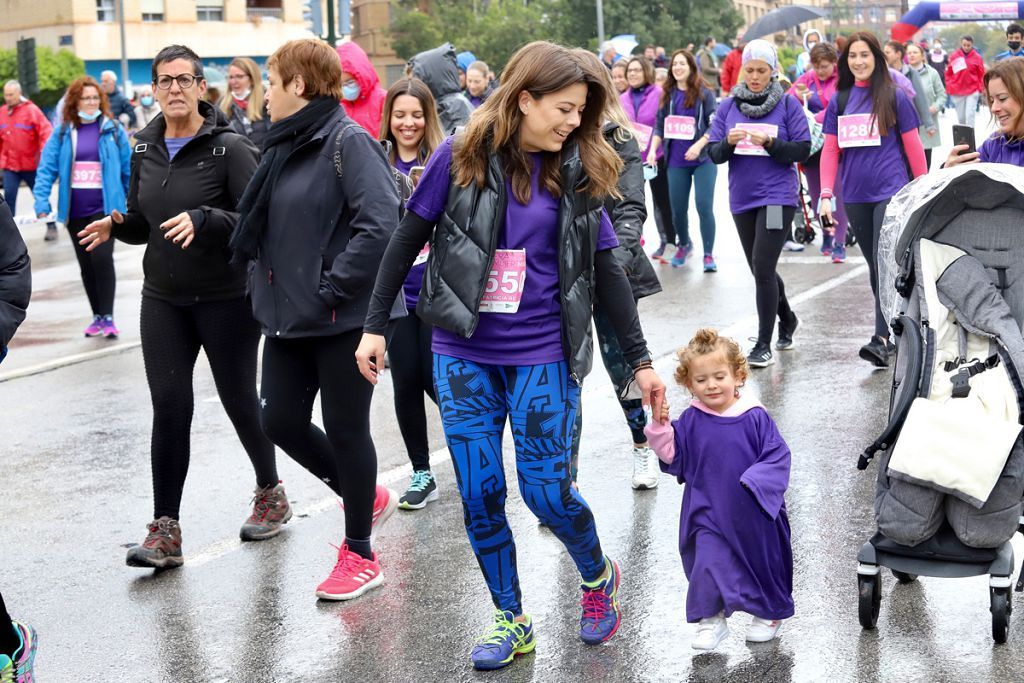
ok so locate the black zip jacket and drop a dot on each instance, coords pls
(335, 208)
(206, 179)
(462, 246)
(628, 215)
(15, 277)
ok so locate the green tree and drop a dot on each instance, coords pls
(56, 71)
(412, 32)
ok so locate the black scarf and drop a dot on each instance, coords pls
(758, 105)
(282, 137)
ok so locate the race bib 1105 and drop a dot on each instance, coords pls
(505, 282)
(643, 135)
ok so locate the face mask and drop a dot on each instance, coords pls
(350, 92)
(1014, 45)
(147, 101)
(88, 118)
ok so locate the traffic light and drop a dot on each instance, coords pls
(312, 13)
(28, 73)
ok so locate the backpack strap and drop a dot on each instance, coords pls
(336, 157)
(842, 98)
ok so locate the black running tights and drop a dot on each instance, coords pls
(9, 639)
(762, 247)
(97, 268)
(412, 369)
(294, 371)
(866, 223)
(171, 339)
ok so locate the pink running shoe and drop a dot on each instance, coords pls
(352, 576)
(110, 330)
(95, 328)
(384, 505)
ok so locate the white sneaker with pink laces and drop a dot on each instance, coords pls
(762, 630)
(352, 576)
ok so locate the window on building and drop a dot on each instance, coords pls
(263, 9)
(152, 10)
(210, 10)
(105, 10)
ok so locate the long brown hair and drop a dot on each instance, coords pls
(882, 90)
(432, 135)
(71, 97)
(1011, 73)
(694, 81)
(255, 99)
(539, 68)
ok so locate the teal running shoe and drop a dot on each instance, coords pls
(506, 639)
(600, 604)
(20, 669)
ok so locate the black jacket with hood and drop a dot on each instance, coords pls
(206, 179)
(439, 70)
(15, 277)
(462, 247)
(628, 215)
(334, 209)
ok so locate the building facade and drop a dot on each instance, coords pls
(218, 30)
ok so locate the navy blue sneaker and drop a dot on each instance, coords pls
(600, 604)
(506, 639)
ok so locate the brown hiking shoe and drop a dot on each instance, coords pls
(162, 547)
(270, 510)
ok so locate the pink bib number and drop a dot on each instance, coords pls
(858, 130)
(680, 127)
(959, 64)
(747, 147)
(505, 282)
(643, 135)
(422, 257)
(86, 175)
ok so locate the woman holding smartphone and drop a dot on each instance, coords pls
(413, 130)
(1004, 88)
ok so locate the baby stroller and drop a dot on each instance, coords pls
(951, 475)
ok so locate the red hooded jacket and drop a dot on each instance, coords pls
(731, 70)
(965, 81)
(23, 133)
(368, 108)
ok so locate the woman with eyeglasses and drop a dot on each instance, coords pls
(88, 156)
(244, 105)
(189, 170)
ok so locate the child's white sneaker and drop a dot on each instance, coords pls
(762, 630)
(710, 632)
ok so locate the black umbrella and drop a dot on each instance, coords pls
(782, 19)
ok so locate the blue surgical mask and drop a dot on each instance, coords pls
(350, 92)
(146, 101)
(89, 118)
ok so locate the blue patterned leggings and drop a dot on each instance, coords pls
(540, 401)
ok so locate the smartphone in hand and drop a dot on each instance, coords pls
(415, 173)
(964, 135)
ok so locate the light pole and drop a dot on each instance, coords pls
(600, 23)
(124, 51)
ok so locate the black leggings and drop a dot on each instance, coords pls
(97, 267)
(663, 204)
(412, 369)
(866, 222)
(9, 638)
(171, 339)
(294, 371)
(762, 247)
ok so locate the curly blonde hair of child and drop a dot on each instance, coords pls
(707, 341)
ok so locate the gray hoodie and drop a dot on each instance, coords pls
(439, 70)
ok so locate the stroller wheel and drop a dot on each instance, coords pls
(904, 577)
(1000, 613)
(869, 599)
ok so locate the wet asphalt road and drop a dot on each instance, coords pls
(77, 492)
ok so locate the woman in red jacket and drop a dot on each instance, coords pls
(361, 92)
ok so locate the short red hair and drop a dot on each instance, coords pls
(312, 59)
(74, 93)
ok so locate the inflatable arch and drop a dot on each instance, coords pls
(914, 20)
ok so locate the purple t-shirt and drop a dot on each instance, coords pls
(174, 145)
(405, 166)
(997, 150)
(414, 279)
(533, 334)
(872, 174)
(756, 181)
(677, 149)
(86, 202)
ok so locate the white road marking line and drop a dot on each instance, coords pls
(64, 361)
(216, 551)
(819, 260)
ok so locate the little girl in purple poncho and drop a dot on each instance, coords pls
(733, 530)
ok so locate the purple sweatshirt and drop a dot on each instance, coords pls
(998, 150)
(644, 112)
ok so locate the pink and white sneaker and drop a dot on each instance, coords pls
(352, 576)
(762, 630)
(95, 328)
(384, 505)
(108, 327)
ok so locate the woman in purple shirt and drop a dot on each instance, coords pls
(641, 101)
(520, 241)
(411, 125)
(762, 133)
(1004, 88)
